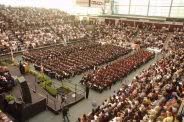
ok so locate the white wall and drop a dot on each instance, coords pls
(60, 4)
(66, 5)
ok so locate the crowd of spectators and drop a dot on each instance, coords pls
(105, 76)
(37, 37)
(6, 80)
(7, 39)
(177, 38)
(68, 61)
(27, 28)
(154, 95)
(71, 31)
(118, 34)
(154, 38)
(121, 34)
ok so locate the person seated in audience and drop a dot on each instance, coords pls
(154, 95)
(29, 28)
(104, 77)
(69, 61)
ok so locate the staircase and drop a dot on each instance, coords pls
(166, 44)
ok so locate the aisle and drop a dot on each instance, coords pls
(85, 106)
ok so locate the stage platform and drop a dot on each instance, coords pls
(54, 104)
(37, 106)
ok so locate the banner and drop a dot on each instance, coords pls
(97, 3)
(90, 3)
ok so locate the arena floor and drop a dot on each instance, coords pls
(85, 106)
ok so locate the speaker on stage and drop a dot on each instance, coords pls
(25, 91)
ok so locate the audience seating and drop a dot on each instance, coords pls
(104, 77)
(154, 95)
(69, 61)
(28, 28)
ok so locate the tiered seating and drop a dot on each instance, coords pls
(7, 38)
(70, 31)
(177, 39)
(71, 60)
(31, 27)
(115, 34)
(28, 28)
(154, 39)
(104, 77)
(154, 95)
(37, 37)
(121, 33)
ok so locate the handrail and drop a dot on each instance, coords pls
(74, 87)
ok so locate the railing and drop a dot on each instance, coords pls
(74, 87)
(56, 102)
(37, 89)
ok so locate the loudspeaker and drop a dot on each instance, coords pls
(25, 91)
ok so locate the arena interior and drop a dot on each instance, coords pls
(91, 60)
